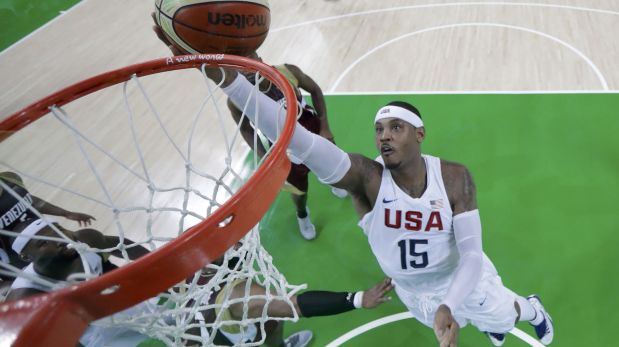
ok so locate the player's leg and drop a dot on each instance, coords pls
(494, 309)
(275, 308)
(275, 336)
(491, 308)
(306, 227)
(274, 333)
(300, 204)
(531, 310)
(298, 177)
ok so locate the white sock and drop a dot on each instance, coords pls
(528, 313)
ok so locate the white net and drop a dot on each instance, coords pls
(148, 159)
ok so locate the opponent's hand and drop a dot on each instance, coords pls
(445, 327)
(376, 295)
(82, 218)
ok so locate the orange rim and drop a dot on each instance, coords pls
(59, 318)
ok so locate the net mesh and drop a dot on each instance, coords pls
(149, 159)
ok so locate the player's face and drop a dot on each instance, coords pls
(397, 140)
(46, 250)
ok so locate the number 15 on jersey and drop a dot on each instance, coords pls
(409, 257)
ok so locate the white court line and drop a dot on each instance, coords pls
(451, 4)
(595, 69)
(406, 315)
(43, 27)
(422, 92)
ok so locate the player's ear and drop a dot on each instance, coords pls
(420, 134)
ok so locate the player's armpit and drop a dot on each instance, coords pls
(362, 179)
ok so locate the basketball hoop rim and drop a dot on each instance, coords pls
(172, 263)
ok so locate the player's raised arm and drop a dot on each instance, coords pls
(330, 164)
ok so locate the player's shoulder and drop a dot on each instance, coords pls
(12, 177)
(295, 71)
(293, 68)
(456, 177)
(453, 169)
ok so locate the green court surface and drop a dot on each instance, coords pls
(546, 169)
(20, 17)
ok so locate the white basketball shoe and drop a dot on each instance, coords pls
(340, 193)
(299, 339)
(496, 339)
(542, 322)
(307, 229)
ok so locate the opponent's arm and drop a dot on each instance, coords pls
(318, 100)
(133, 251)
(45, 207)
(247, 131)
(312, 303)
(95, 238)
(467, 231)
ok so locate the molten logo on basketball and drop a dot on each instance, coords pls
(238, 20)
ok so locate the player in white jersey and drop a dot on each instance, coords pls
(420, 215)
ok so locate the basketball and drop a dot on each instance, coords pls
(210, 26)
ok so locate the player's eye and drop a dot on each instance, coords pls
(378, 130)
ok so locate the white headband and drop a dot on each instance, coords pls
(26, 235)
(391, 111)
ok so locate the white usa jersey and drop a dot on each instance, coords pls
(412, 238)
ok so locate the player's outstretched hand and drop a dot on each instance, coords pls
(82, 218)
(446, 328)
(214, 73)
(163, 38)
(377, 294)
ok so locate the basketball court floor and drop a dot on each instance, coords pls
(524, 93)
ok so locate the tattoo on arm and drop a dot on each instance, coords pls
(469, 194)
(460, 187)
